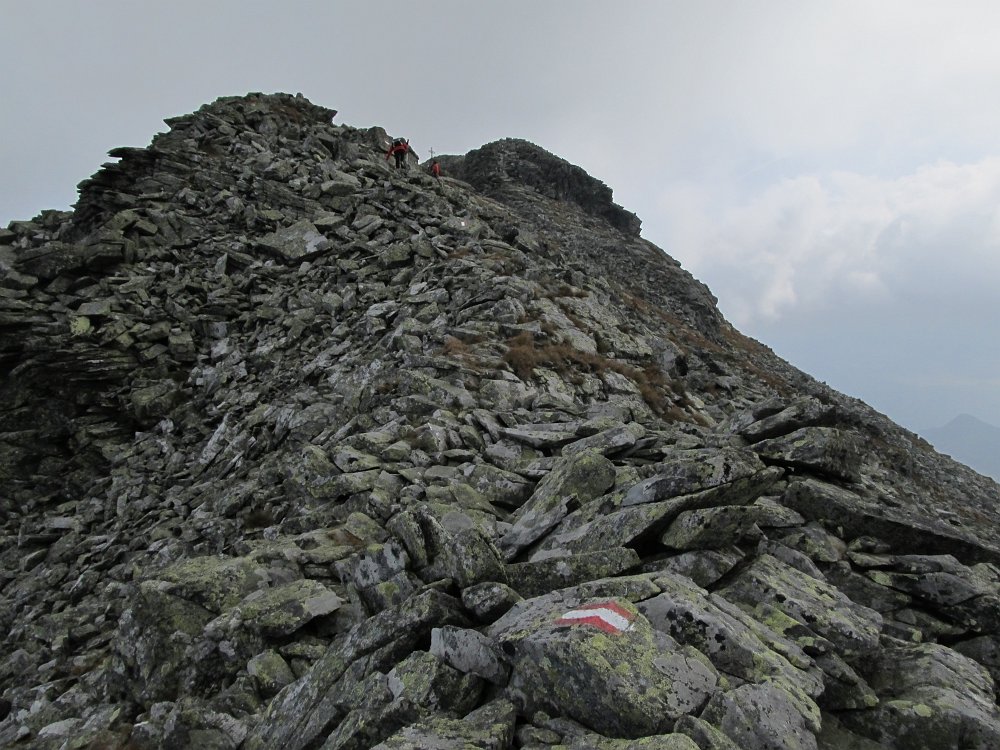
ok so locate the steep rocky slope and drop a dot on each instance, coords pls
(302, 451)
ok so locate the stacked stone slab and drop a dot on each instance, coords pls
(300, 450)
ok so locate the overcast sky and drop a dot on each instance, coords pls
(830, 168)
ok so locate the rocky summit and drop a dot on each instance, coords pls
(302, 450)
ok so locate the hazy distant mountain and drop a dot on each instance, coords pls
(971, 441)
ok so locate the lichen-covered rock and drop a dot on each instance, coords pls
(737, 644)
(575, 479)
(589, 741)
(215, 583)
(711, 528)
(600, 662)
(299, 241)
(490, 727)
(823, 450)
(929, 697)
(805, 412)
(544, 575)
(609, 441)
(687, 472)
(271, 672)
(154, 635)
(489, 600)
(814, 604)
(282, 610)
(309, 707)
(762, 715)
(704, 735)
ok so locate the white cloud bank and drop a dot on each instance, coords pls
(814, 242)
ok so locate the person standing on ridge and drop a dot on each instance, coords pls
(436, 169)
(400, 148)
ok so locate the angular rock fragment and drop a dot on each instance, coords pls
(490, 727)
(599, 662)
(574, 480)
(813, 603)
(299, 241)
(471, 652)
(929, 697)
(541, 576)
(822, 450)
(762, 715)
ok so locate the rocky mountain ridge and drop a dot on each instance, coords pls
(970, 440)
(300, 450)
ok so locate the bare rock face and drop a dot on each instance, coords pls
(302, 450)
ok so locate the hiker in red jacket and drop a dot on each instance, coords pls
(400, 148)
(436, 169)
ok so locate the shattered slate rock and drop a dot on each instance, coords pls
(575, 479)
(300, 241)
(301, 450)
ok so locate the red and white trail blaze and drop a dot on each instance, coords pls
(607, 616)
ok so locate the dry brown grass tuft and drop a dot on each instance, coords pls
(523, 356)
(570, 291)
(454, 346)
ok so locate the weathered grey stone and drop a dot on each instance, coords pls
(984, 649)
(425, 680)
(375, 564)
(609, 441)
(540, 576)
(590, 741)
(270, 672)
(470, 651)
(737, 644)
(299, 241)
(505, 395)
(543, 436)
(704, 567)
(704, 735)
(929, 697)
(504, 488)
(153, 636)
(282, 610)
(802, 413)
(490, 727)
(687, 472)
(341, 184)
(300, 713)
(489, 600)
(574, 479)
(824, 450)
(711, 528)
(844, 688)
(216, 583)
(817, 543)
(762, 715)
(899, 529)
(599, 662)
(469, 557)
(813, 603)
(589, 528)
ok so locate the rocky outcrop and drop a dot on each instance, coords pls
(301, 450)
(517, 161)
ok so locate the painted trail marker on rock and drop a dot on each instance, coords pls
(607, 616)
